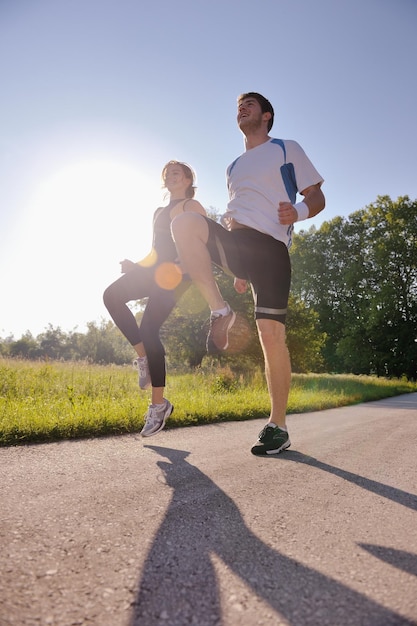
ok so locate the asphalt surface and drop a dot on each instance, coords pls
(188, 528)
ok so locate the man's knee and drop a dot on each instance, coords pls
(271, 332)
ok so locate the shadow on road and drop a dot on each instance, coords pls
(399, 496)
(405, 561)
(179, 584)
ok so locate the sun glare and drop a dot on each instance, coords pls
(98, 193)
(99, 206)
(83, 220)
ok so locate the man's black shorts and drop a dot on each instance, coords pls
(258, 258)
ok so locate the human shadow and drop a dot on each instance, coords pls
(405, 561)
(179, 584)
(399, 496)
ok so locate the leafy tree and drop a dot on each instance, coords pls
(360, 275)
(304, 339)
(392, 258)
(52, 343)
(25, 348)
(104, 343)
(5, 346)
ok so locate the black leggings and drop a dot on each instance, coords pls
(136, 284)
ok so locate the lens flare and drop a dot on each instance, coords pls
(149, 259)
(168, 275)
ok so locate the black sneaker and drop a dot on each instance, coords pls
(271, 441)
(218, 335)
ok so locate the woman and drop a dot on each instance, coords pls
(159, 278)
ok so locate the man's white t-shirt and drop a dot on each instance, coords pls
(256, 186)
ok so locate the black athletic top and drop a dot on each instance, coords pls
(163, 244)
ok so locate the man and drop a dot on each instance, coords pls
(252, 244)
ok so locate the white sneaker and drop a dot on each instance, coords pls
(141, 364)
(156, 417)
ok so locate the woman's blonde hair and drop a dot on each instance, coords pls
(188, 172)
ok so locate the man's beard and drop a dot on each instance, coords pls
(251, 125)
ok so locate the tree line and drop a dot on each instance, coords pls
(360, 276)
(353, 306)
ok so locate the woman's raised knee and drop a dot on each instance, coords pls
(111, 298)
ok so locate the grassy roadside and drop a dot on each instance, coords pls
(50, 401)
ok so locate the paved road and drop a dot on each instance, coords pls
(188, 528)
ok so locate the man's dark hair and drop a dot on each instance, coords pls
(266, 106)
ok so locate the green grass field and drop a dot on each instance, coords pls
(42, 402)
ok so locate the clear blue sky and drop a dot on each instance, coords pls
(97, 95)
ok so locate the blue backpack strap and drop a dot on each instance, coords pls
(282, 144)
(288, 174)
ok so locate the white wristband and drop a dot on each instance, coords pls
(302, 211)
